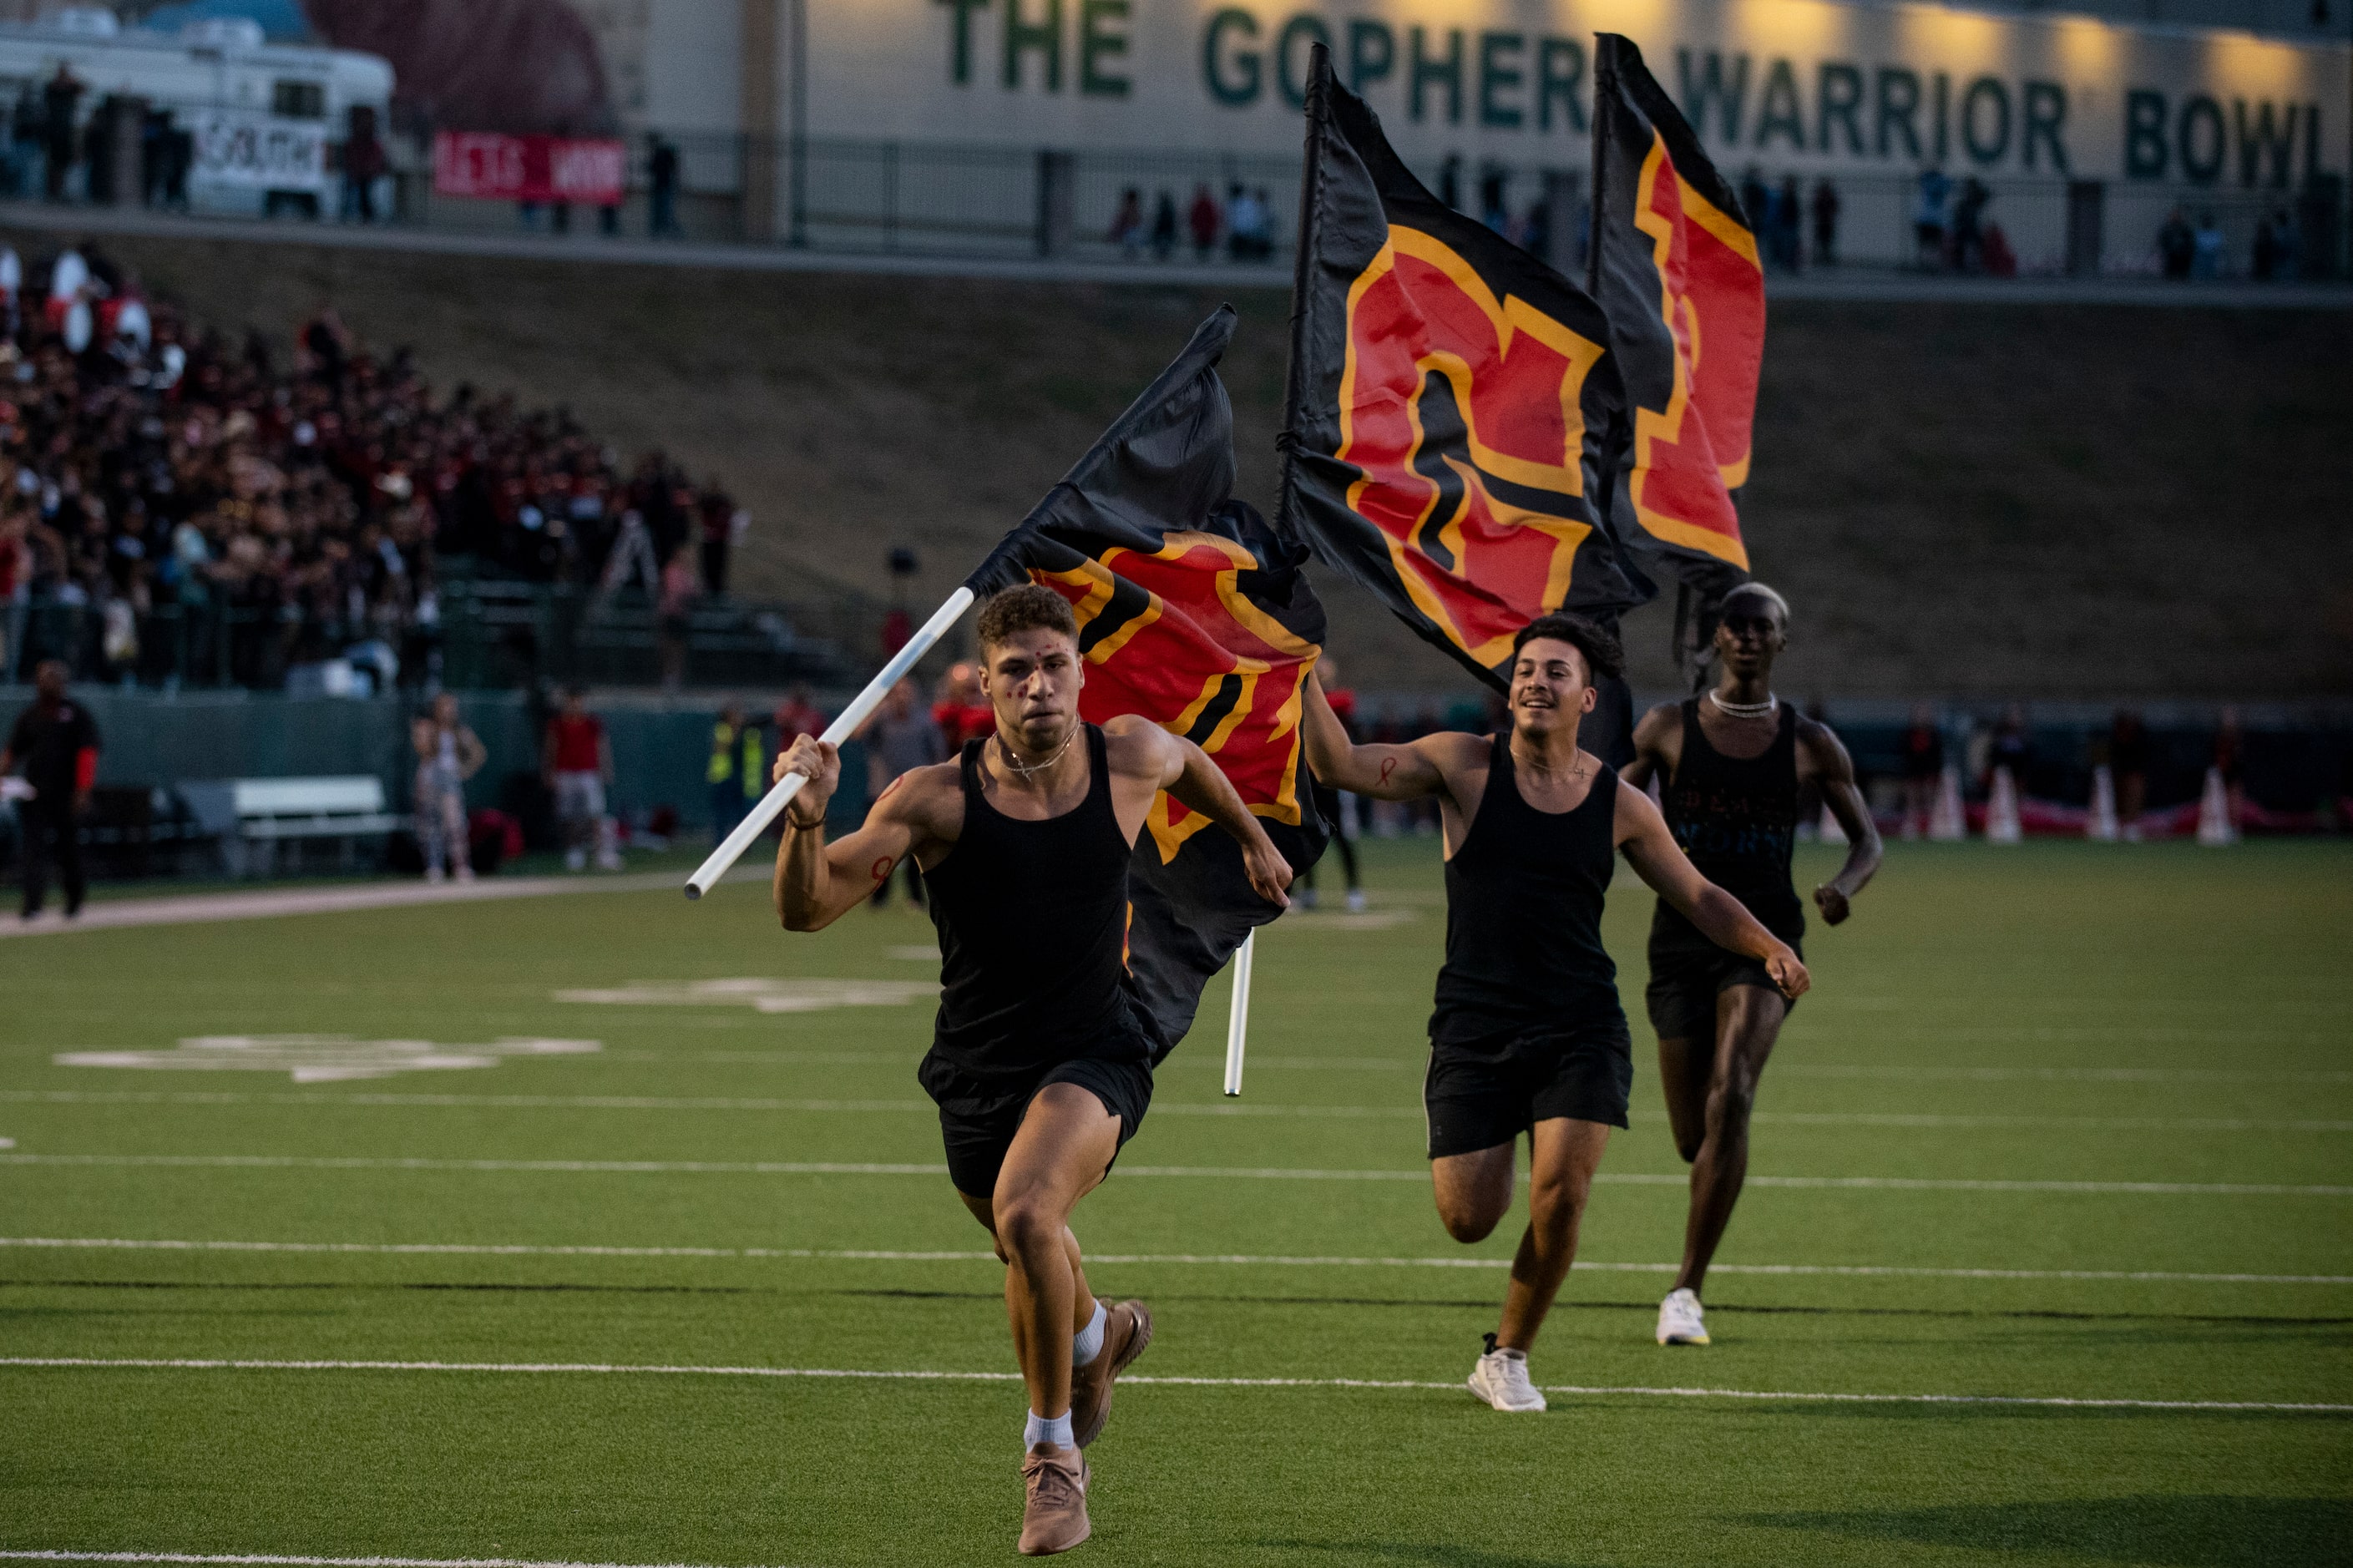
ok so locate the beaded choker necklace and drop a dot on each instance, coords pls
(1763, 709)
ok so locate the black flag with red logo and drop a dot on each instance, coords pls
(1193, 613)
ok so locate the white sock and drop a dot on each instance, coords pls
(1087, 1343)
(1053, 1429)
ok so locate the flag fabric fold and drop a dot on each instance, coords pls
(1194, 614)
(1451, 405)
(1673, 263)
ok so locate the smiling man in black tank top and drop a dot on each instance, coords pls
(1041, 1058)
(1730, 766)
(1528, 1036)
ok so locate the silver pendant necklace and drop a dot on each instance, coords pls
(1763, 709)
(1027, 770)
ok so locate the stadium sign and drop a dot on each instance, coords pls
(259, 152)
(1787, 83)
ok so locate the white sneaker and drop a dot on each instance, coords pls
(1682, 1320)
(465, 872)
(575, 860)
(1500, 1378)
(433, 874)
(1355, 900)
(1306, 900)
(608, 861)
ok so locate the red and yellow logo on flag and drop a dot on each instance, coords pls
(1463, 413)
(1690, 455)
(1171, 636)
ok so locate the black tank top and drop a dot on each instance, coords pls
(1736, 819)
(1524, 896)
(1032, 917)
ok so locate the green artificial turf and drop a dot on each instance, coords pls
(2054, 1013)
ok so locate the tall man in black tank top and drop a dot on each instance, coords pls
(1528, 1036)
(1730, 765)
(1041, 1059)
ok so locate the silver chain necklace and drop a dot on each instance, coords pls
(1763, 709)
(1027, 770)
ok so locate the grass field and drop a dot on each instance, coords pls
(2066, 1126)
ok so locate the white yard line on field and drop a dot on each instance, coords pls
(200, 1364)
(1214, 1259)
(1162, 1107)
(1226, 1173)
(276, 1559)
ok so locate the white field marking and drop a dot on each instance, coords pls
(1217, 1259)
(2088, 1075)
(1340, 920)
(198, 1363)
(272, 1560)
(914, 954)
(205, 909)
(1166, 1108)
(323, 1058)
(760, 993)
(1224, 1172)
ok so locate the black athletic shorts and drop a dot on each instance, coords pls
(978, 1120)
(1483, 1092)
(1687, 976)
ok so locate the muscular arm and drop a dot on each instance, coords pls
(1651, 850)
(1658, 736)
(1184, 770)
(1835, 771)
(1409, 772)
(816, 883)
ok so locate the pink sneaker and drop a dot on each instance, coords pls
(1127, 1329)
(1055, 1518)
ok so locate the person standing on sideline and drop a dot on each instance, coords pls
(448, 755)
(2128, 762)
(1164, 227)
(1204, 219)
(1921, 747)
(1928, 218)
(795, 716)
(734, 772)
(1528, 1036)
(576, 761)
(1826, 218)
(55, 740)
(900, 738)
(1732, 766)
(1041, 1056)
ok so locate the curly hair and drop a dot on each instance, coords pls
(1025, 607)
(1603, 656)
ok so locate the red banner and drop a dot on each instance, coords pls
(529, 168)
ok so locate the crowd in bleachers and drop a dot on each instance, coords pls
(179, 505)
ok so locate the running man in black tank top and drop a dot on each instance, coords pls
(1730, 765)
(1041, 1059)
(1528, 1036)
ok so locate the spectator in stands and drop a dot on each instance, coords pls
(737, 772)
(1127, 223)
(55, 740)
(2208, 248)
(1242, 219)
(900, 738)
(961, 707)
(674, 614)
(448, 755)
(363, 163)
(2177, 246)
(2128, 763)
(797, 716)
(58, 99)
(1928, 217)
(723, 524)
(1825, 222)
(1969, 231)
(1788, 223)
(576, 761)
(1921, 747)
(1205, 220)
(662, 196)
(1164, 227)
(1492, 210)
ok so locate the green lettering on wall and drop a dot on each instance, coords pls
(2146, 151)
(1422, 69)
(2046, 118)
(2200, 164)
(1985, 120)
(1497, 77)
(2265, 137)
(1838, 96)
(1044, 35)
(1098, 42)
(1560, 70)
(1231, 77)
(1372, 54)
(1293, 49)
(1940, 138)
(960, 38)
(1708, 88)
(1897, 109)
(1781, 114)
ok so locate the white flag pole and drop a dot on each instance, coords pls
(1237, 1019)
(755, 821)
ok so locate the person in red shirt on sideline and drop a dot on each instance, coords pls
(797, 716)
(576, 760)
(962, 711)
(56, 743)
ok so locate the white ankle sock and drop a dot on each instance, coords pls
(1055, 1429)
(1087, 1343)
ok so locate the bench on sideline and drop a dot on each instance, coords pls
(251, 818)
